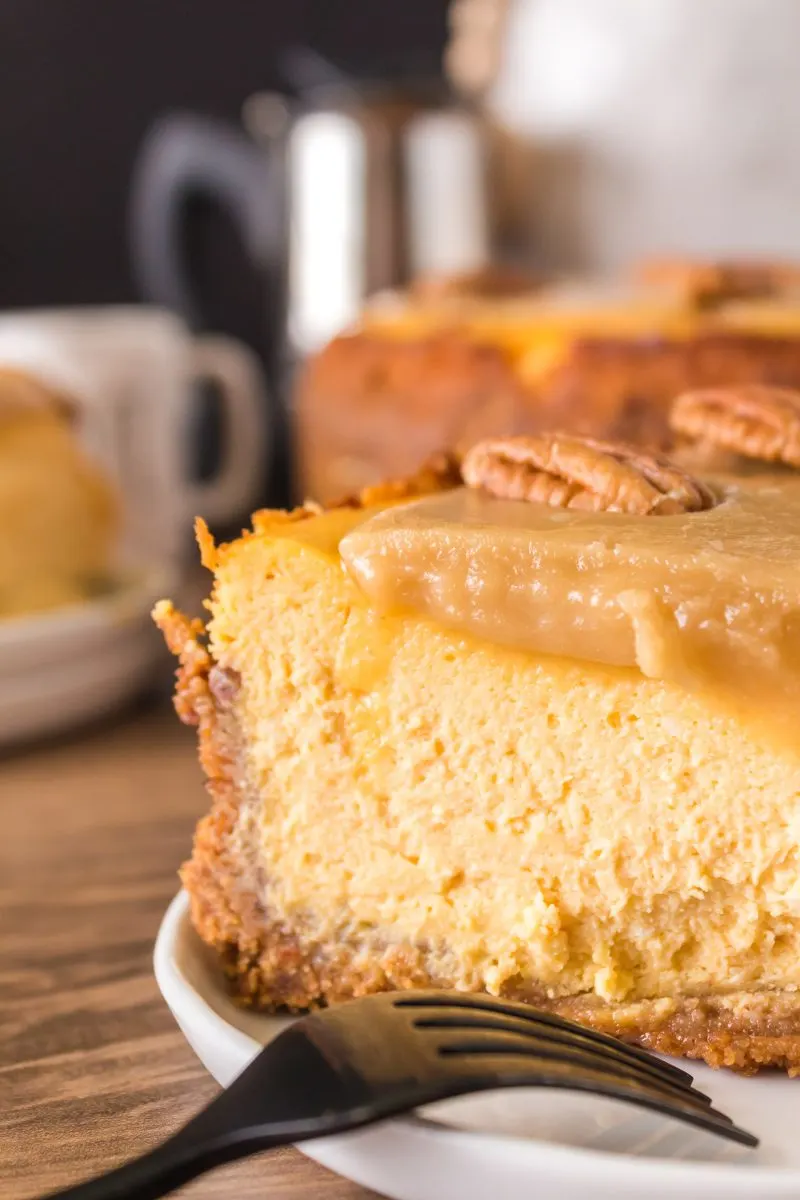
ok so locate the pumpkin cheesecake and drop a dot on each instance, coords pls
(525, 723)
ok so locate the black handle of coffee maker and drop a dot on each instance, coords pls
(186, 157)
(183, 158)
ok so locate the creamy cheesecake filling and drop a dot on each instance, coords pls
(518, 816)
(709, 600)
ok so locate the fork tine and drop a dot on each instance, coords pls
(580, 1058)
(571, 1039)
(551, 1072)
(525, 1012)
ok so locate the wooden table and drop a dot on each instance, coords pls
(92, 1067)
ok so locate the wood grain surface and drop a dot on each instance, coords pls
(92, 1067)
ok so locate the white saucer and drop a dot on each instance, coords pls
(510, 1145)
(61, 668)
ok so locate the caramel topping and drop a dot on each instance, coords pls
(520, 323)
(708, 600)
(755, 420)
(676, 300)
(565, 471)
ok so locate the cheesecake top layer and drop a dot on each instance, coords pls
(535, 327)
(670, 298)
(707, 599)
(584, 584)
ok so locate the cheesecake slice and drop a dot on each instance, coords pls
(524, 724)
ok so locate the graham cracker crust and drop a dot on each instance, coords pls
(271, 965)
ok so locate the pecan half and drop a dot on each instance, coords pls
(576, 472)
(755, 420)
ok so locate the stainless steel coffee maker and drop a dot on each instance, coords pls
(340, 188)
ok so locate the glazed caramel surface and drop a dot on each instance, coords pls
(709, 601)
(527, 326)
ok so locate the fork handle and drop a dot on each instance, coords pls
(173, 1163)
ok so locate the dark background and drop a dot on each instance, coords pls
(81, 81)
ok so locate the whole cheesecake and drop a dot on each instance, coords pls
(524, 723)
(453, 360)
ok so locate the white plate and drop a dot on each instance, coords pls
(509, 1145)
(61, 668)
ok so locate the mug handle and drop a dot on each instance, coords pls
(237, 373)
(185, 157)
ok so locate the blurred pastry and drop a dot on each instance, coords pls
(58, 510)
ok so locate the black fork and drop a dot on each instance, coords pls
(361, 1062)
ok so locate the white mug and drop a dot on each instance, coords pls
(130, 372)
